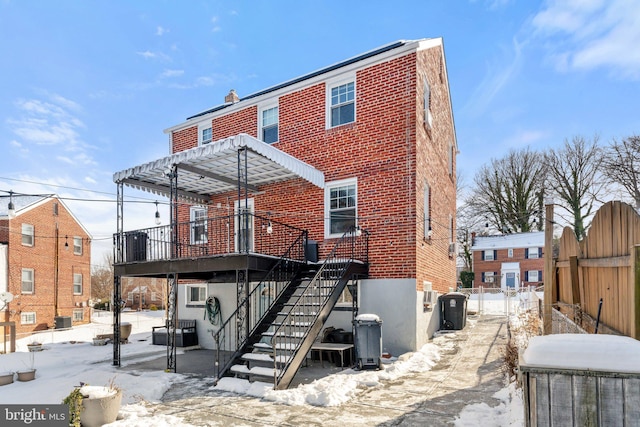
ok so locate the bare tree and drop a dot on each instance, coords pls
(621, 165)
(574, 177)
(508, 192)
(102, 279)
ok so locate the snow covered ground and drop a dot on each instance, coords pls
(69, 358)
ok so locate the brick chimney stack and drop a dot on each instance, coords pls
(232, 97)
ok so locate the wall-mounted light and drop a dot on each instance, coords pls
(11, 209)
(429, 231)
(358, 231)
(158, 222)
(66, 243)
(269, 228)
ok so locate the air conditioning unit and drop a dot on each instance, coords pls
(428, 119)
(453, 249)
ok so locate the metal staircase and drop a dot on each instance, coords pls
(279, 343)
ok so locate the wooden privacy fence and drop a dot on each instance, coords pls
(604, 265)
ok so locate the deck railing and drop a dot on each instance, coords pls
(233, 334)
(208, 237)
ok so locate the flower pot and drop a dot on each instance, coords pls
(6, 378)
(27, 375)
(34, 347)
(100, 405)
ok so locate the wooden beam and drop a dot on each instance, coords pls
(549, 286)
(575, 280)
(612, 262)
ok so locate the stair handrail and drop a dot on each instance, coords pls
(349, 248)
(281, 284)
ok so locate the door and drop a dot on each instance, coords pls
(511, 280)
(243, 224)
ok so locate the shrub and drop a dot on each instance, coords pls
(153, 307)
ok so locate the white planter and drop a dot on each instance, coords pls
(6, 378)
(34, 347)
(100, 405)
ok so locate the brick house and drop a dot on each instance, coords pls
(144, 292)
(508, 261)
(46, 254)
(362, 149)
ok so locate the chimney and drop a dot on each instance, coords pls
(231, 98)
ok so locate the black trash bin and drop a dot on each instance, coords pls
(368, 341)
(453, 311)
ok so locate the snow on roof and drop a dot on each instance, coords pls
(505, 241)
(612, 353)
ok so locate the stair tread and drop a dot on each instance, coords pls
(264, 357)
(256, 370)
(282, 334)
(281, 346)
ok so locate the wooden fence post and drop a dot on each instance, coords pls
(549, 274)
(635, 293)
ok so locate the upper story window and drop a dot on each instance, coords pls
(205, 133)
(28, 235)
(451, 159)
(269, 125)
(340, 207)
(77, 284)
(77, 245)
(489, 255)
(427, 211)
(28, 282)
(426, 100)
(198, 224)
(533, 253)
(510, 252)
(342, 99)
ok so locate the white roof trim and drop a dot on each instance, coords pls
(505, 241)
(212, 169)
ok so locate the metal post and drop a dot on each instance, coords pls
(172, 284)
(118, 258)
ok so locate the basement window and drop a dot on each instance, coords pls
(196, 294)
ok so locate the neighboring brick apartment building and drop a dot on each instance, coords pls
(379, 127)
(46, 254)
(508, 261)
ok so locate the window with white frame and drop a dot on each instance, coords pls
(77, 245)
(489, 277)
(154, 296)
(28, 282)
(28, 235)
(488, 255)
(340, 207)
(532, 253)
(205, 133)
(28, 318)
(533, 276)
(78, 315)
(269, 125)
(196, 294)
(198, 218)
(427, 211)
(130, 296)
(342, 102)
(428, 118)
(510, 252)
(77, 283)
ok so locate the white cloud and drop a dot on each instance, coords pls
(171, 73)
(525, 138)
(147, 54)
(161, 30)
(590, 34)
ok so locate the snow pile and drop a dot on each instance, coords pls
(508, 412)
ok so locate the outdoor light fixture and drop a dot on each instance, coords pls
(66, 243)
(11, 208)
(358, 231)
(429, 232)
(158, 222)
(269, 228)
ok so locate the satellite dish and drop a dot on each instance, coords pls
(6, 297)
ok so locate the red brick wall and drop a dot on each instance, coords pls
(388, 151)
(41, 258)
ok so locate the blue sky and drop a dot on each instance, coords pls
(88, 87)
